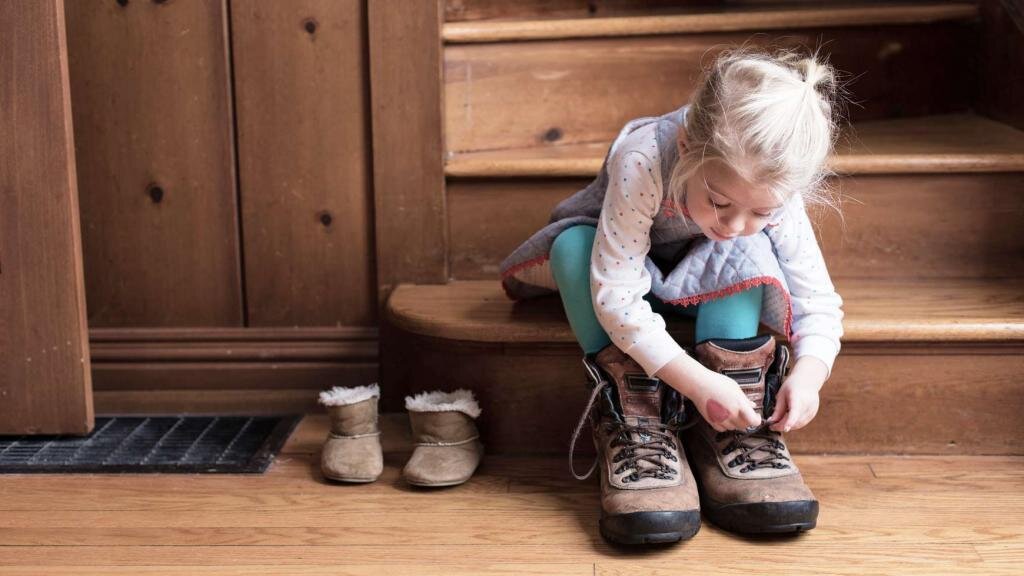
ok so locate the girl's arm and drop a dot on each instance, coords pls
(618, 278)
(817, 307)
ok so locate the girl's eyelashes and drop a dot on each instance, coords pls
(758, 214)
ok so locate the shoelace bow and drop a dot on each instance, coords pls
(660, 437)
(765, 440)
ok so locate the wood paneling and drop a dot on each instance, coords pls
(902, 226)
(301, 89)
(408, 142)
(586, 90)
(153, 138)
(45, 385)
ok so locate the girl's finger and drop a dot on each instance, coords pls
(748, 417)
(791, 418)
(780, 408)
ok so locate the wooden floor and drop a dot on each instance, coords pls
(878, 515)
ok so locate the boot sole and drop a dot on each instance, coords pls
(650, 527)
(762, 517)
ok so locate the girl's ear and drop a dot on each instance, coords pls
(681, 140)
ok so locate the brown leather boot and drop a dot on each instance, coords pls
(352, 450)
(748, 480)
(648, 494)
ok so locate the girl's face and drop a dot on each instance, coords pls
(724, 205)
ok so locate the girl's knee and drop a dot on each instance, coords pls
(573, 242)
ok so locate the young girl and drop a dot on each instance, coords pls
(701, 211)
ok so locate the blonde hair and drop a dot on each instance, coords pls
(770, 115)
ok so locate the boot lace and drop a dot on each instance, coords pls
(762, 439)
(656, 440)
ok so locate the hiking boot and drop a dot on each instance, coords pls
(448, 447)
(648, 494)
(748, 480)
(352, 450)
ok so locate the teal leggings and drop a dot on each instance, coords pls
(735, 316)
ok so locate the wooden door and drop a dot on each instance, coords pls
(45, 386)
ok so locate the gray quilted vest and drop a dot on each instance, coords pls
(686, 267)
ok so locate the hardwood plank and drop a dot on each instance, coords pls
(154, 141)
(495, 569)
(301, 85)
(529, 509)
(704, 20)
(45, 383)
(878, 555)
(584, 91)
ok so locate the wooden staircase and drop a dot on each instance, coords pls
(927, 253)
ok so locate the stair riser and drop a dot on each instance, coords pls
(459, 10)
(880, 399)
(523, 94)
(896, 226)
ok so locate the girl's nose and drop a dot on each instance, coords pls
(733, 225)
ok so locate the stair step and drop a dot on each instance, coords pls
(962, 142)
(552, 93)
(704, 19)
(989, 311)
(926, 366)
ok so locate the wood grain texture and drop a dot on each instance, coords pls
(227, 370)
(963, 142)
(152, 110)
(707, 19)
(585, 90)
(878, 515)
(45, 384)
(945, 225)
(1000, 60)
(302, 96)
(465, 10)
(963, 310)
(408, 141)
(965, 399)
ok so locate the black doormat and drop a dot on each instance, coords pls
(160, 444)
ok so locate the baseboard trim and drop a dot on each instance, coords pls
(227, 370)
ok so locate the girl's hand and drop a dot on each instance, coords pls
(721, 402)
(797, 401)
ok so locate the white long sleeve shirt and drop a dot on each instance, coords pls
(619, 280)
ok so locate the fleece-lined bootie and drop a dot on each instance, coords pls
(447, 444)
(648, 493)
(352, 452)
(748, 480)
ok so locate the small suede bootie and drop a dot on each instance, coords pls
(447, 444)
(352, 451)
